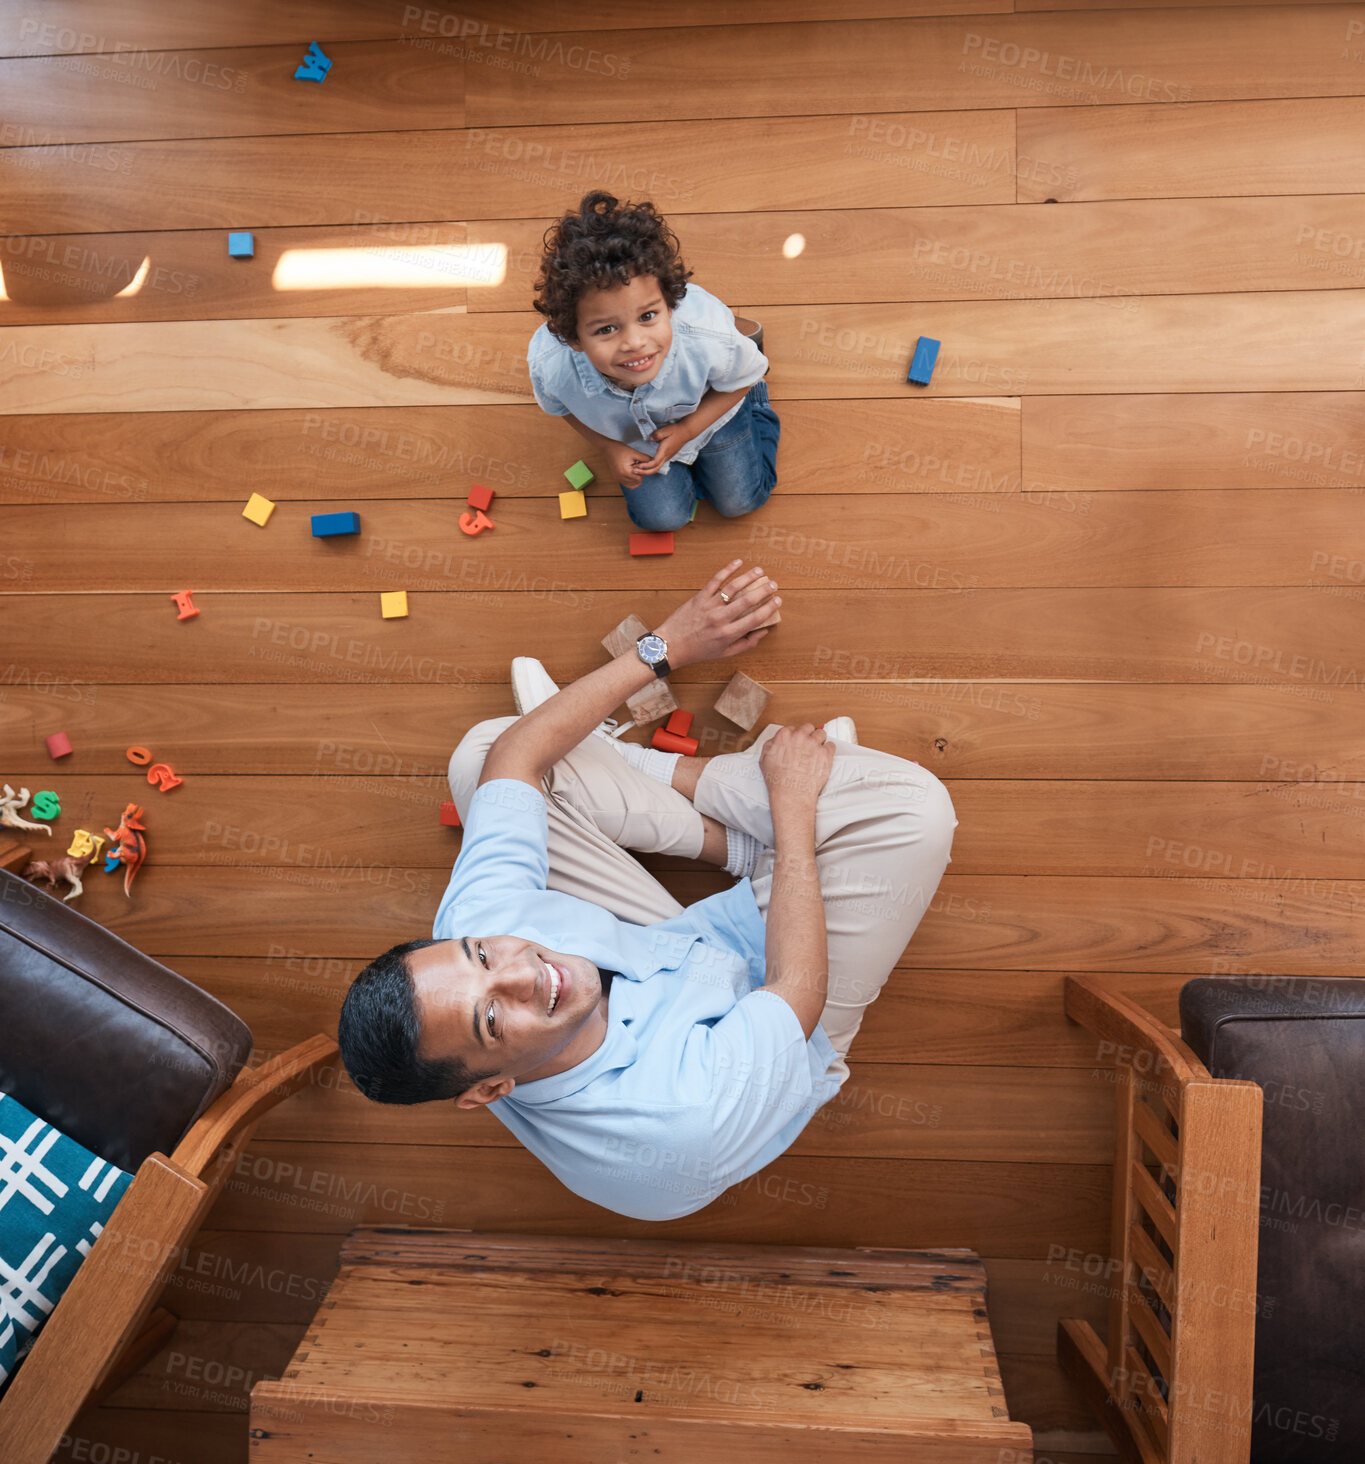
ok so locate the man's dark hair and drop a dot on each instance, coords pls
(378, 1034)
(604, 244)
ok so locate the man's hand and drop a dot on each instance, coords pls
(796, 762)
(707, 628)
(626, 463)
(671, 437)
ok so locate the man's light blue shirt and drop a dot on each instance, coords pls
(703, 1077)
(707, 351)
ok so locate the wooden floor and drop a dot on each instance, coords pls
(1103, 576)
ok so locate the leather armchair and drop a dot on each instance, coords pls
(137, 1064)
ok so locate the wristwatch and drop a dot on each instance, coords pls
(652, 649)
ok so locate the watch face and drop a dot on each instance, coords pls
(652, 649)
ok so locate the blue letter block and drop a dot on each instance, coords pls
(325, 525)
(922, 366)
(241, 246)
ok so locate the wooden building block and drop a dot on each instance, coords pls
(922, 363)
(623, 638)
(743, 700)
(572, 504)
(241, 246)
(58, 745)
(680, 723)
(14, 856)
(450, 816)
(579, 476)
(654, 701)
(258, 509)
(329, 525)
(480, 497)
(642, 543)
(393, 604)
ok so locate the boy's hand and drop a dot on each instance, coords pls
(707, 628)
(795, 764)
(626, 463)
(671, 438)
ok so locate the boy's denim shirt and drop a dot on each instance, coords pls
(707, 352)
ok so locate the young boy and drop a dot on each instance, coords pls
(655, 372)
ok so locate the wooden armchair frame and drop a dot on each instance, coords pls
(1173, 1384)
(104, 1328)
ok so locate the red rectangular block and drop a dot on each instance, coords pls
(58, 745)
(450, 816)
(680, 723)
(665, 741)
(480, 497)
(643, 543)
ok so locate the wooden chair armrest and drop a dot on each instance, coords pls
(1130, 1036)
(235, 1113)
(102, 1310)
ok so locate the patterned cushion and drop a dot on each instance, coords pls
(55, 1197)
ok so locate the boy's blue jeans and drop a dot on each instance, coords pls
(736, 471)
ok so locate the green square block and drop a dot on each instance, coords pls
(580, 475)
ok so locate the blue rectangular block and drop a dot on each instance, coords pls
(241, 246)
(922, 365)
(327, 524)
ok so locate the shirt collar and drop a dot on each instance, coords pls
(618, 1050)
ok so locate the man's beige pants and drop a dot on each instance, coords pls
(883, 831)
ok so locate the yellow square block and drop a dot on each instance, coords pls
(393, 604)
(573, 505)
(258, 509)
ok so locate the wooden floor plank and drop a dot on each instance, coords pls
(398, 738)
(884, 1111)
(910, 445)
(1297, 639)
(344, 904)
(292, 1187)
(152, 1433)
(1174, 441)
(1045, 827)
(189, 274)
(962, 252)
(1313, 144)
(1234, 342)
(67, 27)
(50, 185)
(353, 361)
(239, 91)
(1023, 61)
(1014, 251)
(492, 30)
(1042, 537)
(1200, 343)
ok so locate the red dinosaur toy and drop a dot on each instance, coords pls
(129, 846)
(70, 868)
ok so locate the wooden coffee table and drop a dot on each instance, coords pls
(533, 1349)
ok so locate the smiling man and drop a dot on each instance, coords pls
(650, 1055)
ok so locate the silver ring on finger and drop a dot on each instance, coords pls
(725, 599)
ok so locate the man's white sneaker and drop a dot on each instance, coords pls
(841, 729)
(532, 685)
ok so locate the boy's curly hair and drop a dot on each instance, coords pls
(605, 243)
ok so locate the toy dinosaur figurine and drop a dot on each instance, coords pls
(129, 847)
(10, 805)
(70, 868)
